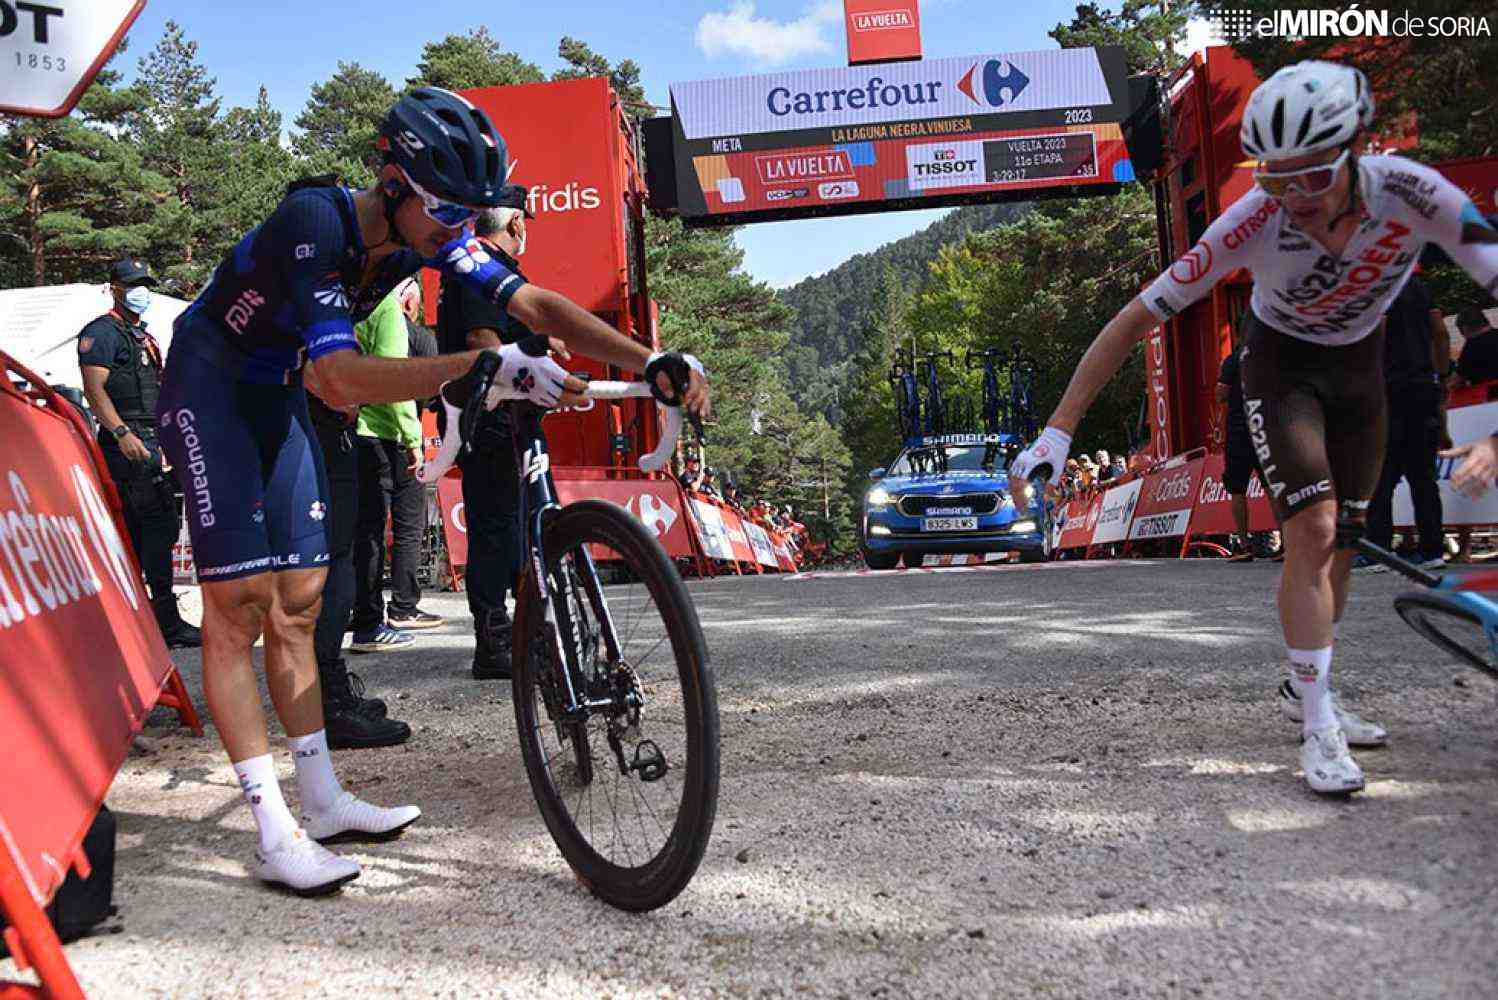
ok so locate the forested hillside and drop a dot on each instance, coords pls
(833, 309)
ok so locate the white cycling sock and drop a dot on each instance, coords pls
(257, 778)
(1311, 679)
(316, 784)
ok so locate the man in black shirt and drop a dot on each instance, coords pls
(1479, 360)
(1240, 461)
(491, 481)
(1416, 347)
(121, 367)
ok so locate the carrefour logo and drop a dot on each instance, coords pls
(1002, 83)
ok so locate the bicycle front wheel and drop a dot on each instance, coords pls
(1455, 629)
(628, 785)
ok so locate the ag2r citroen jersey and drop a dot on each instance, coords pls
(1303, 291)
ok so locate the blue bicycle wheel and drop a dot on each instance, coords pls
(1454, 628)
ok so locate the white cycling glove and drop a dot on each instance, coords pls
(525, 372)
(1051, 448)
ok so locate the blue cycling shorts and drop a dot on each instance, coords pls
(253, 482)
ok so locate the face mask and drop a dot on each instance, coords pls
(138, 298)
(520, 247)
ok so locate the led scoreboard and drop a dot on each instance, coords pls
(1016, 126)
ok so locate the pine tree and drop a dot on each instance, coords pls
(624, 76)
(340, 122)
(180, 138)
(476, 59)
(75, 195)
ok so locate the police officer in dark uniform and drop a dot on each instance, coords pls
(491, 483)
(121, 366)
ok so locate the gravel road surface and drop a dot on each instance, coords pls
(1055, 781)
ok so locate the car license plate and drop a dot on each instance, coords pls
(949, 524)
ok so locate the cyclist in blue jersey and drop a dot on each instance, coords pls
(279, 312)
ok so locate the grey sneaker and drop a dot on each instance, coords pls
(380, 639)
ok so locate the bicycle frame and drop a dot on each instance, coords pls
(1463, 591)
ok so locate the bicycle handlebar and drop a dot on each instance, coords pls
(486, 396)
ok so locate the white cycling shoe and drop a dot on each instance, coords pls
(353, 819)
(1359, 731)
(304, 866)
(1327, 763)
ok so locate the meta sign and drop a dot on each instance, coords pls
(992, 127)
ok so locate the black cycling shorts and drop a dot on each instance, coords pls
(1317, 416)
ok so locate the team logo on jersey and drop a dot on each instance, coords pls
(334, 296)
(466, 257)
(318, 510)
(524, 381)
(305, 251)
(85, 344)
(1193, 264)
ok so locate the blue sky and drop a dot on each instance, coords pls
(289, 46)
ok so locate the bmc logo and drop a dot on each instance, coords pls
(1001, 82)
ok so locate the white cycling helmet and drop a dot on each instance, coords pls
(1306, 108)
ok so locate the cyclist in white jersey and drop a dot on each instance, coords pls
(1330, 238)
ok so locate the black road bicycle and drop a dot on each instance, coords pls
(615, 704)
(907, 395)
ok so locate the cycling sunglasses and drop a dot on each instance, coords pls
(444, 213)
(1308, 181)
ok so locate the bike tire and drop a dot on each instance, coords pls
(664, 875)
(1454, 629)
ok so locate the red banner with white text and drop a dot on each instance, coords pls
(1166, 502)
(1081, 519)
(1214, 509)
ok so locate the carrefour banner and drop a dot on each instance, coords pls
(831, 141)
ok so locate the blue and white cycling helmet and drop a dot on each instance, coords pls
(1306, 108)
(446, 146)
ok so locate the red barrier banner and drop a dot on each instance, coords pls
(1213, 514)
(81, 660)
(1081, 520)
(1166, 502)
(733, 526)
(658, 503)
(759, 541)
(711, 532)
(783, 552)
(454, 522)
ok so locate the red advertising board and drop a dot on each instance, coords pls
(564, 143)
(1166, 501)
(454, 520)
(656, 502)
(81, 660)
(733, 527)
(1081, 520)
(1214, 510)
(882, 30)
(1478, 177)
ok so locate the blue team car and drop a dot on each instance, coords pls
(948, 494)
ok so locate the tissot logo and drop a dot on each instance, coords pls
(882, 20)
(949, 164)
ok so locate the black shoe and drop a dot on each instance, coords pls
(369, 706)
(349, 728)
(416, 618)
(491, 654)
(342, 688)
(182, 636)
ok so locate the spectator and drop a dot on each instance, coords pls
(1416, 348)
(388, 443)
(491, 482)
(691, 474)
(351, 720)
(1479, 357)
(1240, 461)
(1104, 466)
(121, 367)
